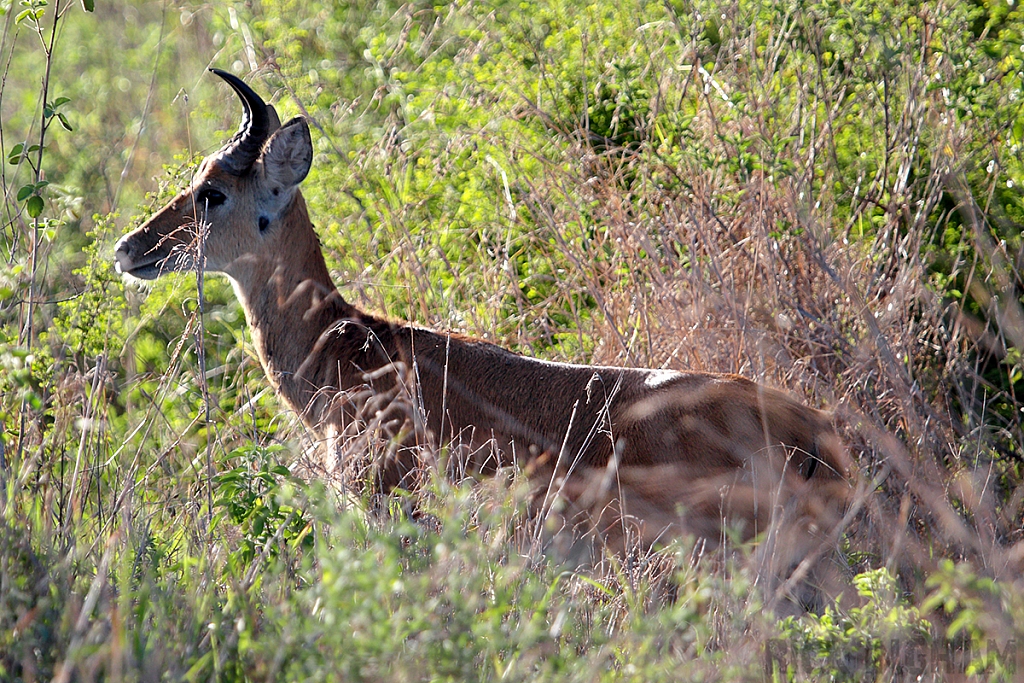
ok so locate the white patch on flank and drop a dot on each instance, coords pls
(657, 378)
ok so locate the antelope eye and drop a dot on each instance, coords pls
(210, 197)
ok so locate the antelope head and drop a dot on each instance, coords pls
(234, 212)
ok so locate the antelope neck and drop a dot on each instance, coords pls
(292, 305)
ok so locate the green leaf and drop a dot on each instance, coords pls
(25, 192)
(51, 109)
(14, 156)
(64, 122)
(88, 5)
(34, 206)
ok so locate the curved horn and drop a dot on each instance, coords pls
(244, 147)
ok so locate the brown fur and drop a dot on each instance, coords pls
(326, 359)
(634, 508)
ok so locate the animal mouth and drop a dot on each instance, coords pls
(151, 266)
(147, 270)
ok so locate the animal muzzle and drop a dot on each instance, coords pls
(146, 256)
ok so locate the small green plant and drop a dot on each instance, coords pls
(982, 621)
(252, 496)
(883, 633)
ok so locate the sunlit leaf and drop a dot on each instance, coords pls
(34, 206)
(15, 154)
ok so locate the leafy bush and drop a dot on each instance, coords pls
(822, 196)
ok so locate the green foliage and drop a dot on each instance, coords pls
(250, 496)
(974, 602)
(543, 174)
(876, 635)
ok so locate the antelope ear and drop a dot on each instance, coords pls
(288, 154)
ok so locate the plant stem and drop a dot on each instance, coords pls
(28, 330)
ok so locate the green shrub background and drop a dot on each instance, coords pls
(823, 196)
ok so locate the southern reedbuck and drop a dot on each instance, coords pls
(485, 405)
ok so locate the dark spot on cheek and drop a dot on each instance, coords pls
(264, 223)
(276, 191)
